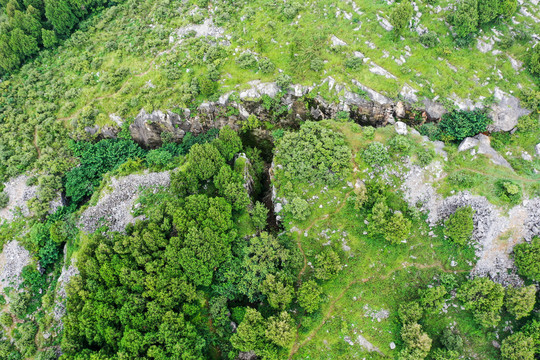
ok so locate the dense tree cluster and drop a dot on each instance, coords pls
(32, 24)
(468, 15)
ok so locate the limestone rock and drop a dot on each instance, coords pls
(506, 112)
(467, 143)
(408, 93)
(13, 258)
(434, 110)
(147, 128)
(537, 149)
(400, 110)
(526, 156)
(401, 128)
(337, 42)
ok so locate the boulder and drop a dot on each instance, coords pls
(147, 128)
(506, 112)
(537, 149)
(400, 110)
(401, 128)
(484, 148)
(526, 156)
(434, 110)
(408, 93)
(467, 143)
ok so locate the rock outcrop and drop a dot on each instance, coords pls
(505, 112)
(114, 208)
(483, 143)
(13, 258)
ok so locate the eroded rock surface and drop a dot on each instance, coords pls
(114, 207)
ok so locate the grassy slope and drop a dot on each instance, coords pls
(377, 275)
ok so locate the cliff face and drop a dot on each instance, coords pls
(365, 107)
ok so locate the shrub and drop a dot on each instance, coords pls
(400, 144)
(4, 199)
(247, 60)
(327, 264)
(520, 302)
(368, 132)
(465, 17)
(314, 154)
(353, 63)
(428, 39)
(461, 124)
(452, 340)
(459, 226)
(517, 346)
(484, 298)
(410, 312)
(533, 60)
(266, 66)
(508, 190)
(425, 156)
(376, 154)
(433, 298)
(309, 296)
(299, 209)
(401, 15)
(316, 65)
(462, 179)
(430, 130)
(416, 341)
(398, 228)
(159, 158)
(283, 81)
(526, 256)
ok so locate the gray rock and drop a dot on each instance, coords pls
(373, 95)
(467, 143)
(392, 345)
(91, 130)
(434, 110)
(400, 110)
(526, 156)
(337, 42)
(114, 207)
(147, 128)
(401, 128)
(537, 149)
(506, 112)
(484, 46)
(408, 93)
(13, 258)
(484, 147)
(376, 69)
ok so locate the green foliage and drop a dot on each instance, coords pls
(465, 17)
(487, 10)
(247, 60)
(533, 60)
(278, 293)
(354, 63)
(452, 340)
(327, 264)
(158, 158)
(425, 156)
(299, 208)
(430, 130)
(517, 346)
(228, 143)
(410, 312)
(283, 81)
(205, 161)
(417, 342)
(4, 199)
(266, 66)
(526, 256)
(459, 226)
(259, 213)
(376, 154)
(433, 298)
(280, 329)
(520, 302)
(309, 296)
(49, 38)
(400, 144)
(458, 125)
(428, 39)
(6, 320)
(508, 190)
(401, 15)
(484, 298)
(314, 154)
(96, 160)
(398, 228)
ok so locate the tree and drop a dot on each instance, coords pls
(22, 44)
(398, 228)
(327, 264)
(376, 154)
(433, 298)
(8, 58)
(416, 341)
(278, 293)
(459, 226)
(517, 347)
(309, 296)
(401, 15)
(459, 124)
(228, 143)
(484, 298)
(506, 8)
(205, 161)
(280, 329)
(520, 302)
(379, 216)
(526, 256)
(410, 312)
(465, 17)
(299, 208)
(4, 199)
(230, 185)
(488, 10)
(533, 60)
(60, 15)
(49, 38)
(259, 214)
(452, 340)
(250, 333)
